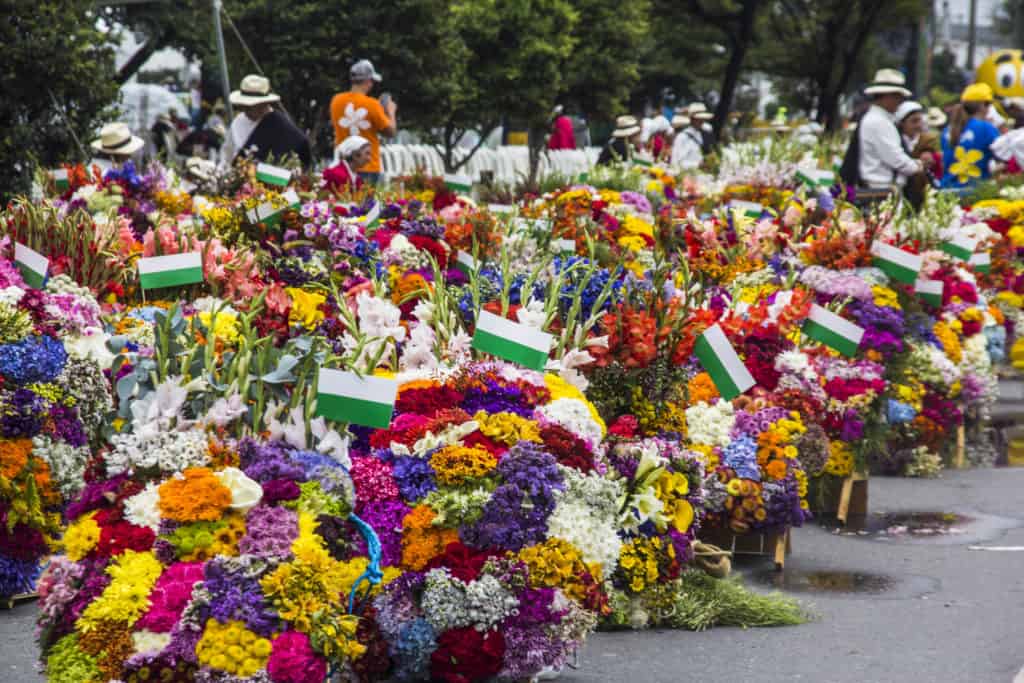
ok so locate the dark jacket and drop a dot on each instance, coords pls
(276, 135)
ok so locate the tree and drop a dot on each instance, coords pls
(827, 44)
(736, 20)
(57, 80)
(185, 25)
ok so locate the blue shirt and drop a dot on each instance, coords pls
(968, 162)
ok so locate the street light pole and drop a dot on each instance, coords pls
(224, 73)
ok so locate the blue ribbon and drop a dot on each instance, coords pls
(373, 574)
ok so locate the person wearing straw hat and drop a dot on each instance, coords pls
(355, 112)
(262, 130)
(935, 118)
(701, 118)
(115, 145)
(354, 153)
(624, 141)
(876, 161)
(967, 141)
(688, 147)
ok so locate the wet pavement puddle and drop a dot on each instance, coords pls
(932, 527)
(840, 583)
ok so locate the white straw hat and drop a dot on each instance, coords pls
(698, 111)
(254, 90)
(117, 138)
(888, 81)
(626, 127)
(936, 118)
(351, 145)
(680, 120)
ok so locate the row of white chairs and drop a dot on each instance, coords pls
(507, 164)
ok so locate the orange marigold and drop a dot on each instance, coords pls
(701, 388)
(776, 469)
(13, 456)
(421, 540)
(196, 496)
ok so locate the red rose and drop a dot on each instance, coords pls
(433, 247)
(464, 655)
(463, 562)
(625, 426)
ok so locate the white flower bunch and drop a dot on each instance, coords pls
(142, 510)
(67, 463)
(575, 416)
(10, 296)
(574, 521)
(165, 451)
(710, 424)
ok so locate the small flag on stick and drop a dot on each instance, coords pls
(346, 397)
(171, 271)
(512, 341)
(834, 331)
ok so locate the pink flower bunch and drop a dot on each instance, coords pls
(373, 479)
(270, 532)
(292, 660)
(171, 593)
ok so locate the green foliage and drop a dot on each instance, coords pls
(52, 51)
(705, 602)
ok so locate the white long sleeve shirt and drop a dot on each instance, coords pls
(883, 161)
(687, 152)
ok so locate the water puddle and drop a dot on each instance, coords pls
(933, 527)
(841, 582)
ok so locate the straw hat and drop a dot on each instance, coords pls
(680, 120)
(626, 127)
(936, 118)
(887, 82)
(253, 90)
(699, 112)
(351, 145)
(906, 109)
(977, 92)
(117, 138)
(200, 168)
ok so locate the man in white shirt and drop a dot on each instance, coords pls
(883, 161)
(688, 147)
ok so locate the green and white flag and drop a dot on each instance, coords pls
(981, 262)
(929, 290)
(642, 161)
(60, 179)
(583, 178)
(748, 209)
(273, 175)
(171, 271)
(960, 247)
(32, 264)
(465, 262)
(563, 246)
(834, 331)
(372, 217)
(502, 209)
(815, 178)
(720, 359)
(515, 342)
(898, 264)
(837, 163)
(458, 182)
(269, 214)
(346, 397)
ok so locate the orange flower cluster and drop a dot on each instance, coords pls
(110, 642)
(837, 253)
(197, 496)
(14, 456)
(771, 454)
(421, 540)
(701, 388)
(408, 287)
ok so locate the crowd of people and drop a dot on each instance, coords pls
(897, 143)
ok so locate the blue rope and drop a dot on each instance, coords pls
(372, 575)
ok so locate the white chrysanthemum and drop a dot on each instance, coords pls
(67, 463)
(575, 416)
(142, 510)
(146, 642)
(710, 424)
(165, 451)
(90, 345)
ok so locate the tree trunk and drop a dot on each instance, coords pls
(740, 45)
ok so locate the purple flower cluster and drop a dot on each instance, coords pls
(33, 359)
(236, 594)
(270, 532)
(495, 398)
(267, 461)
(385, 517)
(529, 647)
(22, 415)
(883, 326)
(414, 476)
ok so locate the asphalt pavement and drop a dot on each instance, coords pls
(891, 607)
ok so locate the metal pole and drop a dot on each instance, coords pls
(972, 29)
(224, 73)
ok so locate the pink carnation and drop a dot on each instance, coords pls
(292, 660)
(171, 593)
(373, 480)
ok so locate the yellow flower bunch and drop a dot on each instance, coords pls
(305, 310)
(507, 428)
(559, 388)
(775, 446)
(81, 537)
(840, 459)
(949, 340)
(751, 295)
(222, 220)
(634, 225)
(455, 464)
(172, 203)
(707, 453)
(638, 561)
(633, 243)
(607, 196)
(671, 489)
(884, 296)
(668, 416)
(1016, 235)
(427, 196)
(225, 325)
(233, 648)
(558, 564)
(133, 575)
(801, 488)
(583, 196)
(910, 393)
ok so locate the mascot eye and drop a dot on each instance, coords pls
(1006, 75)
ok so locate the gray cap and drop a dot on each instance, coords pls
(363, 71)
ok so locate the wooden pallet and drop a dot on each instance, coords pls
(853, 497)
(10, 602)
(775, 545)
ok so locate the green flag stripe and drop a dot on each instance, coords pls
(354, 410)
(956, 250)
(931, 299)
(32, 278)
(509, 350)
(896, 271)
(172, 278)
(820, 333)
(714, 366)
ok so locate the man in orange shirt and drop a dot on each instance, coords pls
(354, 112)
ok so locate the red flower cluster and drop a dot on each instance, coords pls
(568, 448)
(464, 655)
(463, 562)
